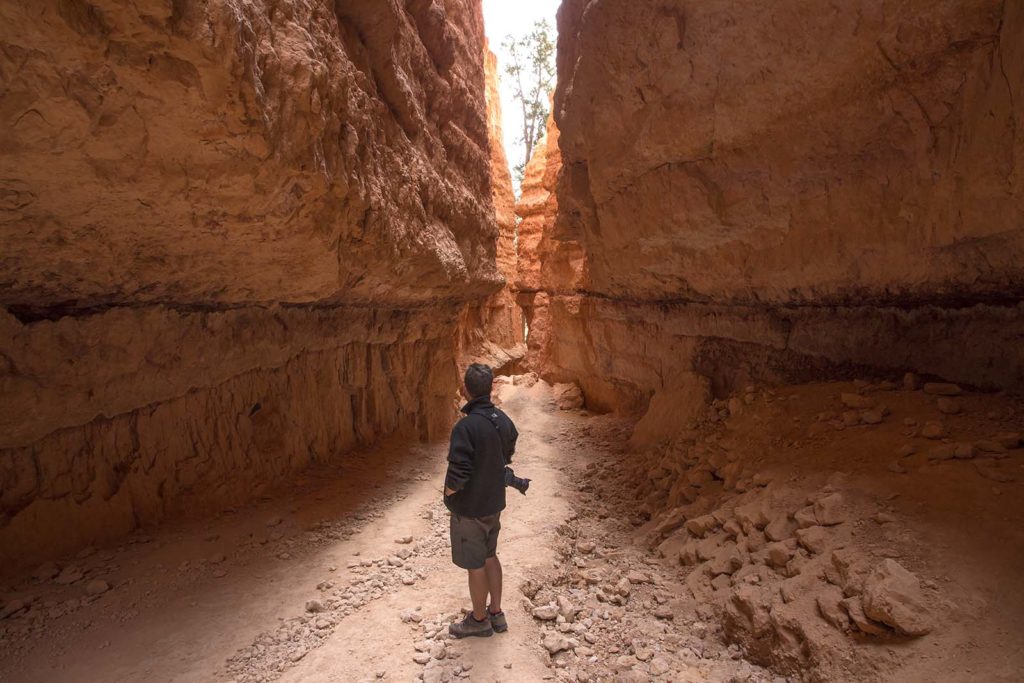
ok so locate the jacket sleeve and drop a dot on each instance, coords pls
(511, 446)
(460, 458)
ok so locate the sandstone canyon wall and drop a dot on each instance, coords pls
(783, 190)
(493, 330)
(236, 239)
(548, 261)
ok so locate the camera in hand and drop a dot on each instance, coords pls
(518, 483)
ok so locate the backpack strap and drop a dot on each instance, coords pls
(492, 416)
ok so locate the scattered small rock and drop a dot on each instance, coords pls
(565, 608)
(992, 474)
(943, 452)
(933, 430)
(664, 612)
(659, 666)
(727, 561)
(856, 613)
(779, 528)
(1007, 440)
(805, 517)
(990, 447)
(828, 510)
(46, 571)
(779, 554)
(897, 467)
(700, 526)
(545, 612)
(857, 401)
(555, 643)
(814, 539)
(830, 609)
(871, 417)
(638, 577)
(69, 575)
(964, 451)
(941, 389)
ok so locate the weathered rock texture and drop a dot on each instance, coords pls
(236, 239)
(548, 261)
(230, 152)
(789, 190)
(493, 330)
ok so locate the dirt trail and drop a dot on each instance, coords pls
(376, 641)
(676, 562)
(190, 597)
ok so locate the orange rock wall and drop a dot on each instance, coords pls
(547, 264)
(235, 239)
(788, 190)
(493, 330)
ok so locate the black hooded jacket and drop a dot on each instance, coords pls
(482, 444)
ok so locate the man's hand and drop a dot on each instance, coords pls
(448, 491)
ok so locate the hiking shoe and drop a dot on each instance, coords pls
(471, 627)
(498, 622)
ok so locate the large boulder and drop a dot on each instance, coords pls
(568, 396)
(892, 595)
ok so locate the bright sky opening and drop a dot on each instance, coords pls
(516, 17)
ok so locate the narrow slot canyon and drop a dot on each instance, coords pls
(756, 307)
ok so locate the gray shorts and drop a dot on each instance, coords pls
(474, 539)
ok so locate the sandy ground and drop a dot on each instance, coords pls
(163, 620)
(230, 598)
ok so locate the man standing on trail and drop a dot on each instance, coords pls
(482, 445)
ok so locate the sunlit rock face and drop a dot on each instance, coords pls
(789, 191)
(236, 239)
(492, 331)
(548, 264)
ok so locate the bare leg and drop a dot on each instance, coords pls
(493, 569)
(478, 592)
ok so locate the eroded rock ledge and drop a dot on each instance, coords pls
(622, 351)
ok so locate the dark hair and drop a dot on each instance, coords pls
(479, 378)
